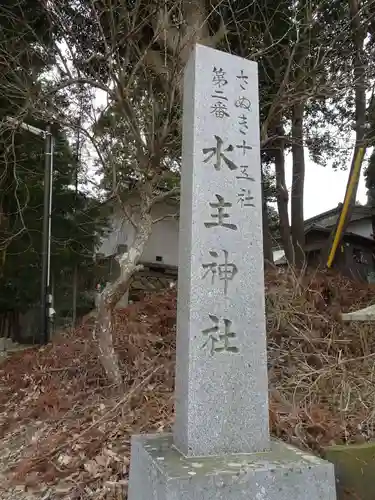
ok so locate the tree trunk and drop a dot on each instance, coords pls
(267, 239)
(358, 35)
(104, 334)
(359, 70)
(283, 198)
(75, 293)
(112, 294)
(298, 180)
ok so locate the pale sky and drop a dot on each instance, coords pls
(324, 187)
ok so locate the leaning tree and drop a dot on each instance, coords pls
(132, 54)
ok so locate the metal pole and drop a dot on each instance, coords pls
(75, 275)
(46, 299)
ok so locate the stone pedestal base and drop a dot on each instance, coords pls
(160, 472)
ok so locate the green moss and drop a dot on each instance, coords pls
(354, 469)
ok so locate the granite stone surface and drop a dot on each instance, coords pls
(366, 314)
(221, 366)
(160, 472)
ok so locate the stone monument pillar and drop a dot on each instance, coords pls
(221, 448)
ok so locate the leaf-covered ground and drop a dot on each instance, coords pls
(65, 432)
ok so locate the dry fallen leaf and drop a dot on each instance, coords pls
(91, 467)
(64, 459)
(102, 460)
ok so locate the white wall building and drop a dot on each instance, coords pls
(161, 248)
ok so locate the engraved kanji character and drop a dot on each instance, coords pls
(218, 151)
(243, 124)
(221, 215)
(219, 109)
(215, 336)
(243, 146)
(243, 80)
(219, 94)
(218, 78)
(243, 103)
(211, 268)
(245, 198)
(225, 271)
(245, 173)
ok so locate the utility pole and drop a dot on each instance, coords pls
(78, 165)
(75, 275)
(46, 296)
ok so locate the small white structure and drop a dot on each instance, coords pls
(160, 255)
(161, 248)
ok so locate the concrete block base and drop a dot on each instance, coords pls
(160, 472)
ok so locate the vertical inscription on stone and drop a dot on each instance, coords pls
(219, 108)
(218, 155)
